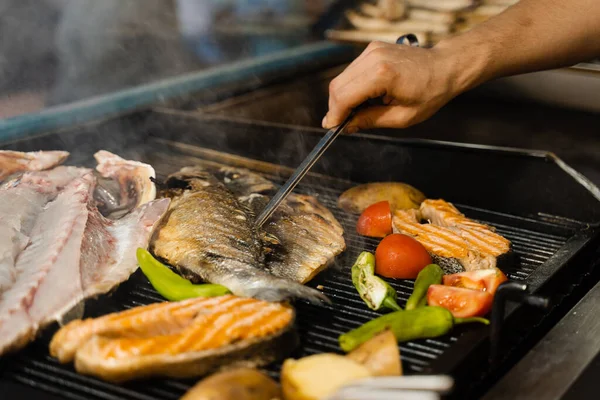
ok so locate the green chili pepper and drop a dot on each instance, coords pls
(172, 286)
(425, 322)
(373, 290)
(430, 275)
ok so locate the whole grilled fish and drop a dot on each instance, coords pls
(208, 234)
(306, 236)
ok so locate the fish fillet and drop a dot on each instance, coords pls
(132, 179)
(179, 339)
(16, 161)
(59, 249)
(208, 234)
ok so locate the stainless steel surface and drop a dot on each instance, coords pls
(299, 173)
(552, 366)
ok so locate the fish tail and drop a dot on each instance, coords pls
(283, 290)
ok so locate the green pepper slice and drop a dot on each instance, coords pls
(374, 291)
(172, 286)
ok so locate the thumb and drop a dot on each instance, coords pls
(383, 117)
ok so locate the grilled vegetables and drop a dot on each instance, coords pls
(430, 275)
(180, 339)
(400, 256)
(236, 384)
(209, 235)
(467, 294)
(380, 355)
(400, 196)
(172, 286)
(376, 220)
(425, 322)
(374, 291)
(318, 376)
(455, 242)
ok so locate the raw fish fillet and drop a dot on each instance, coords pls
(16, 161)
(59, 249)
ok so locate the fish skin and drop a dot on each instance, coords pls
(209, 234)
(307, 237)
(16, 161)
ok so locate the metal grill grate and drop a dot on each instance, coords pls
(318, 327)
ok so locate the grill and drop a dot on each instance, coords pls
(549, 233)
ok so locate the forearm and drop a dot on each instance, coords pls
(533, 35)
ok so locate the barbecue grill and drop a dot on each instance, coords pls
(550, 213)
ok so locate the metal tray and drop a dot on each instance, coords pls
(547, 210)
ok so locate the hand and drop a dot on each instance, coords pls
(415, 83)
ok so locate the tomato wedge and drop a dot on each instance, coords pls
(376, 220)
(400, 256)
(464, 282)
(462, 303)
(483, 279)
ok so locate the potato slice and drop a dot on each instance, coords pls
(400, 195)
(379, 354)
(236, 384)
(318, 376)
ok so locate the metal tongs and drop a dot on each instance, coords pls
(415, 387)
(319, 149)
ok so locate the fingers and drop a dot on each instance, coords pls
(384, 117)
(363, 79)
(352, 90)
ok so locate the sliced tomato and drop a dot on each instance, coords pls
(489, 279)
(465, 282)
(400, 256)
(376, 220)
(462, 303)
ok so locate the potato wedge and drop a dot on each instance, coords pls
(235, 384)
(318, 376)
(400, 195)
(380, 355)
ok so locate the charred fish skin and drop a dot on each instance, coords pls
(305, 237)
(208, 233)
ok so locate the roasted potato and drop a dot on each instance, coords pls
(380, 355)
(400, 195)
(236, 384)
(318, 376)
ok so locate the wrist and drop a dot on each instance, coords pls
(465, 62)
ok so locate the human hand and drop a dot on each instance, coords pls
(414, 82)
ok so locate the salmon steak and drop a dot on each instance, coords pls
(454, 241)
(188, 338)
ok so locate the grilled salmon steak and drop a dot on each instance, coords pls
(178, 339)
(454, 241)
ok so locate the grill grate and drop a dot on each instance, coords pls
(533, 242)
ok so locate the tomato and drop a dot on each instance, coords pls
(465, 282)
(488, 279)
(376, 220)
(462, 303)
(400, 256)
